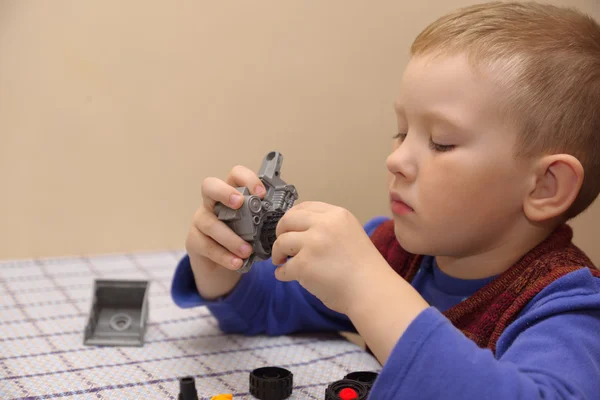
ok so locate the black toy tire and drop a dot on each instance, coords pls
(271, 383)
(367, 378)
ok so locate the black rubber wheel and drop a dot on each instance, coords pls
(367, 378)
(271, 383)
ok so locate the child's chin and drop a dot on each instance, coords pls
(409, 242)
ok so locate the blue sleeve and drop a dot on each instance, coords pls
(551, 351)
(262, 304)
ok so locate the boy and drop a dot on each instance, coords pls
(474, 289)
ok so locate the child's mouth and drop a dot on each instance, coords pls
(400, 208)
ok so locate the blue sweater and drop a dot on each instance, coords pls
(551, 351)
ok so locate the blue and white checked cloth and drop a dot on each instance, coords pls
(44, 306)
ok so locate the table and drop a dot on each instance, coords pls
(44, 305)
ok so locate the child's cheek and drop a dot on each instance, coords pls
(463, 185)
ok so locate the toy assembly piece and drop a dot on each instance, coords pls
(276, 383)
(367, 378)
(355, 386)
(346, 389)
(119, 313)
(187, 388)
(222, 397)
(271, 383)
(255, 221)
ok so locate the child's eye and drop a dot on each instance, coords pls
(440, 147)
(400, 136)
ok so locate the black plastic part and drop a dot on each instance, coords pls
(271, 383)
(367, 378)
(187, 389)
(333, 390)
(268, 235)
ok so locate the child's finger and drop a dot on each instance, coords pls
(215, 190)
(286, 245)
(285, 272)
(294, 221)
(314, 206)
(245, 177)
(208, 225)
(207, 247)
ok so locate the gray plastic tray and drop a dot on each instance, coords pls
(119, 313)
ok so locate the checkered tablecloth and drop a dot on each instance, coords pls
(44, 305)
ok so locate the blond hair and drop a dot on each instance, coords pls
(547, 59)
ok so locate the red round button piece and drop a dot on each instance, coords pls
(348, 394)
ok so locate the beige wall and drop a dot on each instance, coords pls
(112, 112)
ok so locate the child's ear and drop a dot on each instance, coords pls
(555, 185)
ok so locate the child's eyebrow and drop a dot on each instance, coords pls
(398, 108)
(445, 120)
(434, 116)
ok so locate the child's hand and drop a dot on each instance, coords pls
(212, 239)
(333, 257)
(211, 244)
(335, 260)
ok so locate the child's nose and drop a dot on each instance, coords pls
(402, 161)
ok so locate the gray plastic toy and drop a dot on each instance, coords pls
(119, 313)
(256, 220)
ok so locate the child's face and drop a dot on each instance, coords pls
(466, 198)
